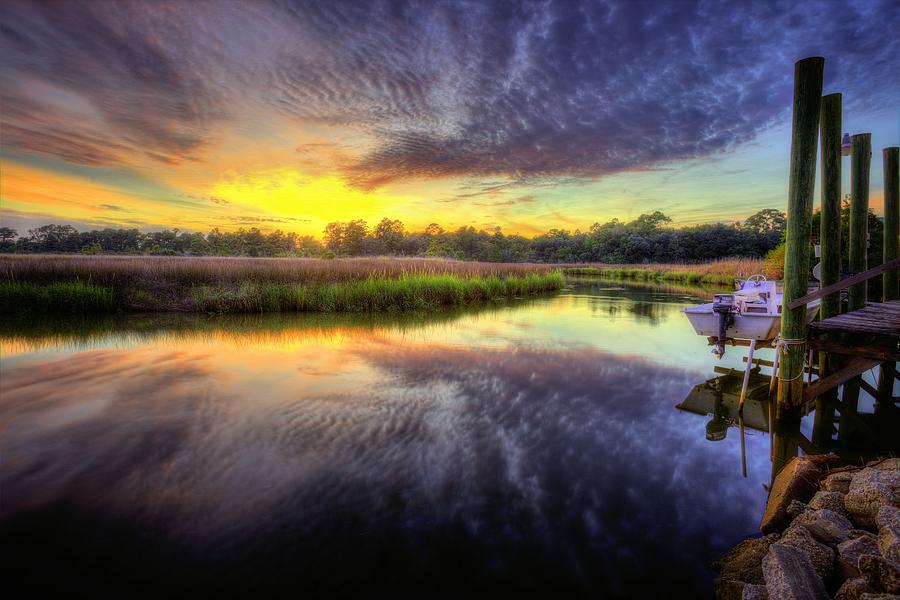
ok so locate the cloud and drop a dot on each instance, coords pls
(516, 91)
(510, 202)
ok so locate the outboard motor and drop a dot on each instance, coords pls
(724, 307)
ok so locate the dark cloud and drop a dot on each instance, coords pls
(521, 90)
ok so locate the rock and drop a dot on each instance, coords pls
(853, 589)
(870, 490)
(837, 482)
(826, 526)
(821, 556)
(830, 500)
(888, 516)
(880, 574)
(795, 509)
(885, 464)
(755, 592)
(790, 575)
(889, 543)
(728, 589)
(798, 480)
(850, 551)
(744, 561)
(871, 596)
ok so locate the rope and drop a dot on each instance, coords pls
(781, 345)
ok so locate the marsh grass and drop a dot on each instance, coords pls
(721, 272)
(58, 297)
(242, 285)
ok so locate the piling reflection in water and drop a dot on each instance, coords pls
(511, 452)
(719, 397)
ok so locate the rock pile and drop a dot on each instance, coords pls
(829, 534)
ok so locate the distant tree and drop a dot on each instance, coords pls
(334, 236)
(766, 221)
(354, 241)
(649, 223)
(390, 234)
(7, 239)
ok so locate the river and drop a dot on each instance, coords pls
(528, 448)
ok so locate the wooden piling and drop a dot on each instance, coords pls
(830, 253)
(890, 279)
(860, 164)
(808, 75)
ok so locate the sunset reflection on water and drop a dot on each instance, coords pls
(531, 447)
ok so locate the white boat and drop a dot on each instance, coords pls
(752, 312)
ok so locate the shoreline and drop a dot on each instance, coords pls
(370, 295)
(828, 531)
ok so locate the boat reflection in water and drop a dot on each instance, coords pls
(719, 398)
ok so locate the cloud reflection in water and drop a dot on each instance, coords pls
(422, 465)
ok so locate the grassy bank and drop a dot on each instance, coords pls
(722, 272)
(102, 284)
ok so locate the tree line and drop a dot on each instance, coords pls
(649, 238)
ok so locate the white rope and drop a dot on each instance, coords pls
(781, 345)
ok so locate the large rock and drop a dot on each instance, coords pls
(877, 596)
(850, 551)
(853, 589)
(887, 464)
(728, 589)
(744, 561)
(880, 574)
(755, 592)
(837, 482)
(870, 490)
(888, 516)
(798, 480)
(826, 526)
(830, 500)
(790, 575)
(821, 556)
(889, 543)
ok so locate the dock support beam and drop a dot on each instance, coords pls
(830, 246)
(861, 160)
(890, 279)
(808, 75)
(860, 163)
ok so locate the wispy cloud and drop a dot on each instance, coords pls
(486, 90)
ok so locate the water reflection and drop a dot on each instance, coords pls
(719, 398)
(503, 451)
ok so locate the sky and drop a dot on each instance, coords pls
(520, 115)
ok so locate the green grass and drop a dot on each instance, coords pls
(373, 294)
(57, 297)
(408, 293)
(649, 274)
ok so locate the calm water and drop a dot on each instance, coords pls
(525, 448)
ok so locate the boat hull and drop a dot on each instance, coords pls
(747, 326)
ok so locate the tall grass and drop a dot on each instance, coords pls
(44, 283)
(720, 272)
(412, 292)
(56, 297)
(207, 270)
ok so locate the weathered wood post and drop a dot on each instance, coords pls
(830, 252)
(861, 159)
(808, 75)
(860, 163)
(890, 279)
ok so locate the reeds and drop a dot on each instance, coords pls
(716, 272)
(90, 284)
